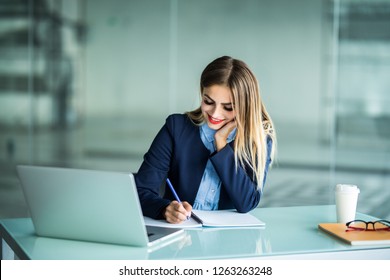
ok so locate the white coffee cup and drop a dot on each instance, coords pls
(346, 202)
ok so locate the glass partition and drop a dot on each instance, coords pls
(362, 108)
(88, 83)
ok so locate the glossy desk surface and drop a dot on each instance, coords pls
(289, 232)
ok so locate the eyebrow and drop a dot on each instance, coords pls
(205, 94)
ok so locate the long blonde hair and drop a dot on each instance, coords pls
(254, 124)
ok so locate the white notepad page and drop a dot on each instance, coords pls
(218, 218)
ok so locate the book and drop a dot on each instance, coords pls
(212, 219)
(356, 237)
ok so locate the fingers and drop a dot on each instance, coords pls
(177, 212)
(222, 134)
(187, 207)
(224, 131)
(230, 126)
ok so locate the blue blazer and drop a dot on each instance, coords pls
(178, 152)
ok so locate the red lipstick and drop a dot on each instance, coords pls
(214, 121)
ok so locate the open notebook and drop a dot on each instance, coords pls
(214, 219)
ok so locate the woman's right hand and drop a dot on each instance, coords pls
(177, 212)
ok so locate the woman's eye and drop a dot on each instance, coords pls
(229, 109)
(207, 102)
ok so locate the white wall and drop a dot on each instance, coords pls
(136, 65)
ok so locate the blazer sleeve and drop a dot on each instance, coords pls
(153, 172)
(237, 182)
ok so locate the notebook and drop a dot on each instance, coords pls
(356, 237)
(212, 219)
(89, 205)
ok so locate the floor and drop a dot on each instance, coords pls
(300, 176)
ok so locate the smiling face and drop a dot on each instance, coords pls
(217, 107)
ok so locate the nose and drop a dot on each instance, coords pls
(217, 111)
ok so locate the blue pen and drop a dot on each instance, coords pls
(174, 192)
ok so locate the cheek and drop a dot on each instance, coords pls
(205, 108)
(230, 115)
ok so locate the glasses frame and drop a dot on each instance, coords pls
(383, 222)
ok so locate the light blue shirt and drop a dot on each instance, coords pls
(207, 197)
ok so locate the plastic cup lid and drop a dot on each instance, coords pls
(347, 188)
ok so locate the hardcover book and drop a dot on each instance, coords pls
(356, 237)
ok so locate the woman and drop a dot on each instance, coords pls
(217, 156)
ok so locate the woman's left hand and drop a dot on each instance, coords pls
(222, 134)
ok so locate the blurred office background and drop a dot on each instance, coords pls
(88, 83)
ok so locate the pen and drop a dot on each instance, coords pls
(174, 193)
(173, 190)
(196, 218)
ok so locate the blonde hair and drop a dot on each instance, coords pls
(254, 124)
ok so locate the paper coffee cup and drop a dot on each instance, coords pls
(346, 202)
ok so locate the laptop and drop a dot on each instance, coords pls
(89, 205)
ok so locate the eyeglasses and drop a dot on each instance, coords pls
(369, 226)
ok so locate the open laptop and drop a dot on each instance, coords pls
(88, 205)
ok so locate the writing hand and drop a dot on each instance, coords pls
(176, 212)
(222, 134)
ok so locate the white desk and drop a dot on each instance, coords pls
(290, 233)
